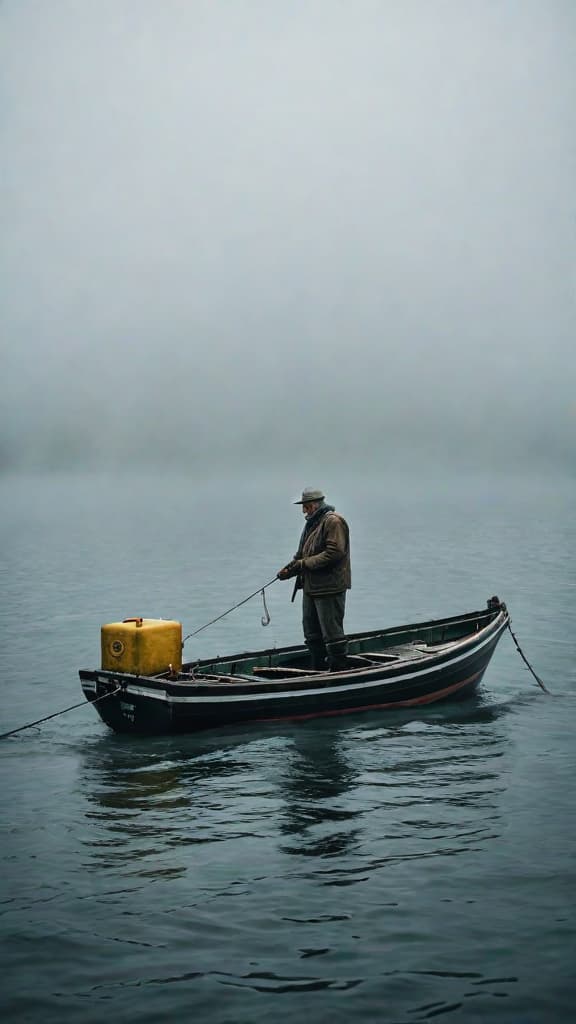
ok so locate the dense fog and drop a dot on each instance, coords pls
(265, 234)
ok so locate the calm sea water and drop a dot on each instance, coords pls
(393, 867)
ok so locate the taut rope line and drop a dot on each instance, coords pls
(525, 659)
(265, 620)
(38, 721)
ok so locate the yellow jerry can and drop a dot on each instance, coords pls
(144, 647)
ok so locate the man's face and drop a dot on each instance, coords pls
(309, 506)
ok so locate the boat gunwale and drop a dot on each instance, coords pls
(453, 620)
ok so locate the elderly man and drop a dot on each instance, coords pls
(322, 568)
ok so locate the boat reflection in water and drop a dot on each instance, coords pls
(319, 816)
(404, 786)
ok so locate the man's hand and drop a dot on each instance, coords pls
(292, 569)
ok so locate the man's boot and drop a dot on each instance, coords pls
(337, 660)
(317, 655)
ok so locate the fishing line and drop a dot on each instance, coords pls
(265, 619)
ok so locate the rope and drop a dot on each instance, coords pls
(265, 620)
(233, 608)
(525, 659)
(56, 713)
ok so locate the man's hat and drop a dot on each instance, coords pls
(310, 494)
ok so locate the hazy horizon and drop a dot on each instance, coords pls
(307, 235)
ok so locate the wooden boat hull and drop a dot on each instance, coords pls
(449, 671)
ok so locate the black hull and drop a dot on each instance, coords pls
(154, 706)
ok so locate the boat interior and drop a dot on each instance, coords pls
(365, 650)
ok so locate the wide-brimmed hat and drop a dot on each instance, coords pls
(310, 494)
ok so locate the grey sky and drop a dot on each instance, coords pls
(236, 231)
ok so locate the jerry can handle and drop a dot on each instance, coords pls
(137, 621)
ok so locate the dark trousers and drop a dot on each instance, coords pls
(323, 626)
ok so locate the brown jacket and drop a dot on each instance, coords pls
(325, 555)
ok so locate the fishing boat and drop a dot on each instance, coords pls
(144, 688)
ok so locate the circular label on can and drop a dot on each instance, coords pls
(116, 648)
